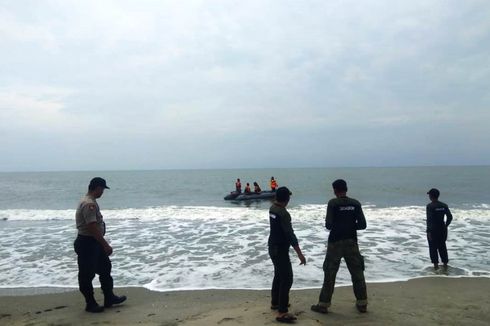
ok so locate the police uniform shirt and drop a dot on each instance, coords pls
(88, 212)
(435, 216)
(344, 218)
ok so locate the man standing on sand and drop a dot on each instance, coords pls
(280, 239)
(92, 249)
(344, 218)
(437, 228)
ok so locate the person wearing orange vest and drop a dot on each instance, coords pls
(238, 186)
(273, 184)
(247, 188)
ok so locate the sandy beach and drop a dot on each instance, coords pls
(424, 301)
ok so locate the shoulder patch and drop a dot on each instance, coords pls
(272, 216)
(91, 207)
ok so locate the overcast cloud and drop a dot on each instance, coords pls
(217, 84)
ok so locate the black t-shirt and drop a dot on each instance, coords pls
(435, 216)
(281, 233)
(344, 218)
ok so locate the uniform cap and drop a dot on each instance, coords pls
(98, 182)
(433, 192)
(283, 194)
(339, 185)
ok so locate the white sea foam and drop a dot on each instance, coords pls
(175, 247)
(210, 212)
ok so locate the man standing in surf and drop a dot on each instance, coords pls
(344, 218)
(92, 249)
(280, 239)
(437, 228)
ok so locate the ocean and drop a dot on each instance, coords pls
(172, 230)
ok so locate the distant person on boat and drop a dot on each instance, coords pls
(257, 189)
(437, 228)
(344, 218)
(281, 237)
(247, 189)
(273, 184)
(238, 186)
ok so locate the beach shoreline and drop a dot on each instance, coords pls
(429, 300)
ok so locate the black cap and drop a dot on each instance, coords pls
(283, 194)
(434, 193)
(339, 185)
(98, 182)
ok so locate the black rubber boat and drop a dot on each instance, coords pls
(251, 196)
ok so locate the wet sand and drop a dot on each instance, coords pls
(424, 301)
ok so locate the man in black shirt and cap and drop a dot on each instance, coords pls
(280, 239)
(437, 228)
(344, 218)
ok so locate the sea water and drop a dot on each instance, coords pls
(173, 230)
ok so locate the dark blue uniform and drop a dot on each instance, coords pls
(344, 218)
(437, 230)
(281, 237)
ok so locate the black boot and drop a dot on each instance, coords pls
(91, 304)
(113, 299)
(93, 307)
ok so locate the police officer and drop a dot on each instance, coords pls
(92, 249)
(280, 239)
(437, 228)
(344, 218)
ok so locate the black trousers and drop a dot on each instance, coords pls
(92, 260)
(437, 246)
(283, 277)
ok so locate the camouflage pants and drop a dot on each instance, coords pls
(349, 250)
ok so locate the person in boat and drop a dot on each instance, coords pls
(273, 184)
(257, 189)
(247, 189)
(238, 186)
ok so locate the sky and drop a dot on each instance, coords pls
(116, 85)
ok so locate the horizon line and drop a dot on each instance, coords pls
(248, 168)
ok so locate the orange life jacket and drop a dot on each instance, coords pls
(273, 184)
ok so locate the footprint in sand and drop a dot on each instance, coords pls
(227, 319)
(55, 308)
